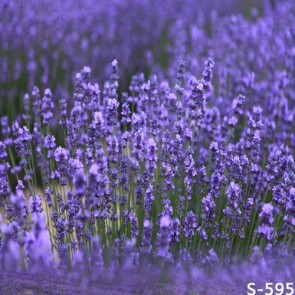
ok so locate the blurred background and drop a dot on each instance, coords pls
(45, 43)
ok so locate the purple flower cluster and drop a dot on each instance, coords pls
(193, 162)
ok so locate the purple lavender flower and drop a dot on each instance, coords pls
(181, 70)
(125, 114)
(189, 224)
(175, 230)
(47, 107)
(61, 155)
(20, 207)
(266, 213)
(22, 142)
(3, 153)
(5, 126)
(80, 182)
(237, 110)
(265, 230)
(191, 174)
(48, 196)
(146, 246)
(164, 238)
(151, 156)
(49, 143)
(208, 208)
(148, 200)
(234, 195)
(198, 100)
(96, 128)
(63, 110)
(36, 204)
(112, 108)
(207, 74)
(134, 224)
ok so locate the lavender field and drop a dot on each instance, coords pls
(147, 147)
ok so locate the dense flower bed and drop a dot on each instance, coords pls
(190, 162)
